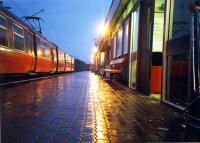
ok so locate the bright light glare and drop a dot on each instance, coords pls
(92, 57)
(95, 49)
(102, 29)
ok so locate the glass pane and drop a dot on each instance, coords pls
(42, 43)
(119, 42)
(29, 44)
(158, 26)
(3, 37)
(180, 18)
(134, 46)
(126, 32)
(196, 53)
(19, 43)
(18, 30)
(2, 21)
(114, 46)
(178, 79)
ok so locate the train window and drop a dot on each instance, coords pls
(3, 32)
(18, 37)
(29, 44)
(18, 30)
(61, 57)
(43, 49)
(47, 52)
(3, 21)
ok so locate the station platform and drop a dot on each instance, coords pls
(81, 107)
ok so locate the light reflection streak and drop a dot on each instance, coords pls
(101, 129)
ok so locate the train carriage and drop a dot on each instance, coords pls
(16, 47)
(23, 50)
(45, 57)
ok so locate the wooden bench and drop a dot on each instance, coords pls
(116, 68)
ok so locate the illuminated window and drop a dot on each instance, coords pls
(119, 42)
(3, 32)
(125, 37)
(18, 37)
(102, 58)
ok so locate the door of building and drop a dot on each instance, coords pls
(178, 42)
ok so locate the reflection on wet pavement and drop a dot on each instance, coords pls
(80, 107)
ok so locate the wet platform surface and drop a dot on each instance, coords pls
(80, 107)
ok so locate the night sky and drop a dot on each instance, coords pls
(71, 24)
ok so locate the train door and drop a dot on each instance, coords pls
(53, 59)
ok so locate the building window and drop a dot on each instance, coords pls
(18, 37)
(102, 58)
(3, 31)
(180, 20)
(114, 46)
(126, 36)
(119, 42)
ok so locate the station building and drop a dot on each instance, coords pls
(151, 39)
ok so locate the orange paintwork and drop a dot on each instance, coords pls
(156, 75)
(45, 65)
(68, 67)
(61, 67)
(15, 62)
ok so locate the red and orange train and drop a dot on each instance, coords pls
(25, 51)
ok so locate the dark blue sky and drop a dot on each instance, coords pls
(71, 24)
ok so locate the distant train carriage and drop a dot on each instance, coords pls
(23, 50)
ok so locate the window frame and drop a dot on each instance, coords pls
(21, 36)
(171, 25)
(114, 45)
(6, 29)
(119, 53)
(126, 21)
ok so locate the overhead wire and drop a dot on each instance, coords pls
(47, 20)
